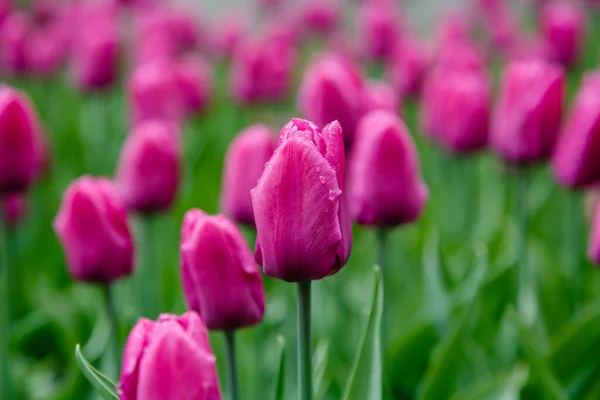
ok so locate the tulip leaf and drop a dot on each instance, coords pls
(366, 375)
(103, 385)
(319, 360)
(438, 298)
(280, 388)
(503, 385)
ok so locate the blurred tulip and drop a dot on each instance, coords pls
(93, 229)
(14, 208)
(194, 80)
(244, 163)
(331, 89)
(455, 109)
(149, 167)
(529, 111)
(321, 15)
(575, 160)
(380, 27)
(154, 93)
(18, 141)
(169, 359)
(386, 188)
(379, 95)
(300, 205)
(229, 33)
(178, 26)
(46, 51)
(453, 28)
(13, 42)
(220, 278)
(460, 54)
(407, 67)
(563, 28)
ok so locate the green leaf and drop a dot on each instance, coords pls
(548, 385)
(280, 388)
(365, 380)
(503, 385)
(103, 385)
(319, 360)
(438, 298)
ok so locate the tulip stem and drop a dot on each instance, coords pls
(5, 328)
(232, 378)
(148, 279)
(525, 283)
(574, 248)
(113, 347)
(304, 343)
(383, 265)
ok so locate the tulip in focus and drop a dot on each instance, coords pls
(18, 141)
(407, 67)
(149, 167)
(169, 359)
(386, 188)
(300, 205)
(14, 208)
(563, 28)
(244, 163)
(93, 229)
(220, 278)
(527, 117)
(194, 79)
(380, 26)
(379, 95)
(331, 89)
(575, 160)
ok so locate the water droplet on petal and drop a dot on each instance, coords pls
(266, 164)
(318, 169)
(331, 194)
(322, 179)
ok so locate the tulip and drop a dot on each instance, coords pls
(244, 163)
(300, 205)
(13, 42)
(18, 141)
(149, 167)
(178, 26)
(386, 188)
(46, 51)
(332, 90)
(229, 34)
(379, 95)
(528, 114)
(460, 55)
(169, 359)
(321, 15)
(456, 109)
(14, 208)
(407, 67)
(380, 26)
(220, 278)
(194, 79)
(93, 229)
(578, 148)
(563, 28)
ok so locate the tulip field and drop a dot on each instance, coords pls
(319, 203)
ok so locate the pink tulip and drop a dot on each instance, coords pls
(321, 15)
(14, 208)
(386, 188)
(407, 67)
(220, 278)
(149, 167)
(462, 55)
(578, 148)
(195, 80)
(178, 26)
(169, 359)
(18, 141)
(331, 89)
(529, 111)
(381, 28)
(244, 163)
(563, 28)
(93, 229)
(300, 205)
(229, 33)
(46, 51)
(13, 42)
(379, 95)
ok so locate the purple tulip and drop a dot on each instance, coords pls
(332, 90)
(178, 26)
(46, 51)
(194, 80)
(529, 111)
(563, 29)
(18, 141)
(244, 163)
(300, 205)
(13, 42)
(321, 15)
(407, 67)
(460, 55)
(93, 229)
(169, 359)
(379, 95)
(14, 208)
(220, 278)
(386, 188)
(149, 167)
(229, 33)
(575, 158)
(381, 28)
(455, 109)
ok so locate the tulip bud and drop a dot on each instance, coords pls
(14, 208)
(379, 95)
(380, 25)
(563, 29)
(244, 163)
(332, 90)
(149, 167)
(386, 188)
(93, 229)
(300, 206)
(169, 359)
(578, 148)
(13, 42)
(528, 114)
(220, 278)
(18, 141)
(194, 79)
(456, 109)
(407, 67)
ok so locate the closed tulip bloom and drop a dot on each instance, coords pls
(575, 160)
(14, 208)
(194, 79)
(13, 42)
(169, 359)
(149, 167)
(380, 25)
(93, 229)
(244, 163)
(529, 111)
(379, 95)
(300, 205)
(18, 141)
(407, 67)
(386, 188)
(563, 29)
(331, 90)
(220, 278)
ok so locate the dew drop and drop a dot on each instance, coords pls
(318, 169)
(266, 164)
(331, 194)
(322, 179)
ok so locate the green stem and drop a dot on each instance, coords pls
(148, 275)
(383, 265)
(525, 279)
(304, 345)
(5, 383)
(574, 248)
(113, 351)
(232, 378)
